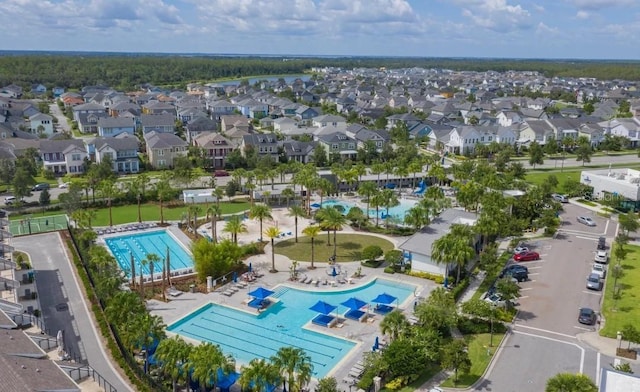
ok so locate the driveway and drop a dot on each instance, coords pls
(63, 305)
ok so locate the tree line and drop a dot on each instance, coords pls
(126, 72)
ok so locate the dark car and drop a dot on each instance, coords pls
(220, 173)
(512, 267)
(587, 316)
(40, 187)
(602, 243)
(518, 274)
(527, 256)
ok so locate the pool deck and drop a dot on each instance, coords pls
(362, 333)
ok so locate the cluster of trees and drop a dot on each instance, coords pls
(129, 71)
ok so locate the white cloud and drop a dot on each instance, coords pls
(600, 4)
(582, 15)
(543, 29)
(496, 15)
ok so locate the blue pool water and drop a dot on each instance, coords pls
(397, 212)
(246, 335)
(152, 242)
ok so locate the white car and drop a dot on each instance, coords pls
(495, 299)
(599, 270)
(585, 220)
(63, 185)
(520, 249)
(601, 257)
(559, 198)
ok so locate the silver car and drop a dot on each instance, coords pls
(585, 220)
(594, 282)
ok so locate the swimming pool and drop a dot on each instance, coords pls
(142, 244)
(247, 336)
(397, 212)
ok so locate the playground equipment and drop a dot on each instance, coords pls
(422, 187)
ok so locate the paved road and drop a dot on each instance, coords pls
(572, 163)
(62, 302)
(63, 122)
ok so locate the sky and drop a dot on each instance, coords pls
(577, 29)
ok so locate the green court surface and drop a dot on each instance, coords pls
(26, 224)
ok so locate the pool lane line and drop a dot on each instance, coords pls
(244, 350)
(213, 312)
(270, 339)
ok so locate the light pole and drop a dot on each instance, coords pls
(493, 308)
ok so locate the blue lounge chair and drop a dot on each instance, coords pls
(383, 309)
(324, 320)
(355, 314)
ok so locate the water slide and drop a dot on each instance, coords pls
(421, 188)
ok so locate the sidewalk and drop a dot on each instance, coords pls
(597, 209)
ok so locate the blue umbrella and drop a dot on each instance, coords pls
(261, 293)
(323, 307)
(354, 303)
(376, 344)
(235, 277)
(333, 272)
(384, 298)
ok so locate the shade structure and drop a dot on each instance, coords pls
(225, 381)
(323, 307)
(384, 298)
(354, 303)
(261, 293)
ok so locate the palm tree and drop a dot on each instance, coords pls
(258, 376)
(414, 167)
(367, 190)
(250, 188)
(567, 382)
(238, 175)
(312, 232)
(151, 259)
(377, 201)
(204, 361)
(377, 168)
(288, 194)
(325, 187)
(390, 200)
(163, 189)
(109, 191)
(134, 189)
(260, 212)
(334, 220)
(417, 217)
(218, 193)
(454, 247)
(394, 324)
(123, 307)
(213, 213)
(273, 232)
(296, 211)
(173, 354)
(294, 365)
(235, 226)
(142, 332)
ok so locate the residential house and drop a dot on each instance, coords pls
(507, 118)
(253, 108)
(407, 118)
(234, 121)
(58, 91)
(340, 144)
(122, 150)
(157, 107)
(532, 114)
(539, 131)
(119, 108)
(625, 127)
(264, 145)
(565, 127)
(298, 151)
(329, 119)
(216, 148)
(418, 248)
(163, 148)
(198, 126)
(11, 91)
(593, 132)
(378, 137)
(304, 114)
(165, 123)
(463, 139)
(283, 124)
(220, 108)
(41, 124)
(38, 89)
(114, 126)
(86, 109)
(63, 156)
(439, 136)
(88, 122)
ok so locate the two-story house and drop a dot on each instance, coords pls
(41, 124)
(304, 114)
(114, 126)
(364, 136)
(216, 148)
(158, 123)
(157, 107)
(120, 107)
(88, 122)
(463, 139)
(593, 132)
(234, 121)
(340, 144)
(298, 151)
(163, 148)
(539, 131)
(63, 156)
(219, 108)
(625, 127)
(264, 145)
(122, 150)
(87, 108)
(326, 120)
(199, 126)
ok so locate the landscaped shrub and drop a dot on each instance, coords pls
(472, 326)
(252, 249)
(459, 288)
(372, 252)
(439, 279)
(372, 263)
(390, 270)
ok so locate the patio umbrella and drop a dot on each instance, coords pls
(250, 267)
(261, 293)
(334, 272)
(225, 381)
(60, 341)
(354, 303)
(323, 307)
(376, 344)
(235, 277)
(446, 282)
(384, 298)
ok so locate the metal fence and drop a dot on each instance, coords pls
(80, 373)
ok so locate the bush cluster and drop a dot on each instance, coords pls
(439, 279)
(472, 326)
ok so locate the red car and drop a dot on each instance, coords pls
(526, 256)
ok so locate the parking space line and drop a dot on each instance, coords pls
(583, 328)
(523, 297)
(535, 273)
(526, 288)
(538, 267)
(592, 293)
(546, 330)
(586, 238)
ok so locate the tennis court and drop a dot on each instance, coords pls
(29, 224)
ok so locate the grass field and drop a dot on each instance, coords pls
(480, 354)
(626, 310)
(350, 247)
(149, 212)
(538, 178)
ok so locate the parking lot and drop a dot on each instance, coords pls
(547, 319)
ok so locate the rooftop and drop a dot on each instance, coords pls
(620, 175)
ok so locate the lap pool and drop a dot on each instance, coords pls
(397, 212)
(139, 245)
(246, 336)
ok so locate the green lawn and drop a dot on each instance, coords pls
(480, 354)
(537, 177)
(626, 310)
(149, 212)
(350, 247)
